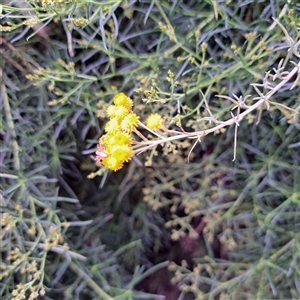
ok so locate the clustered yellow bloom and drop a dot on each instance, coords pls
(79, 21)
(31, 22)
(114, 147)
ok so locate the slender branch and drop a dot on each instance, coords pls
(90, 282)
(11, 127)
(69, 38)
(145, 145)
(59, 250)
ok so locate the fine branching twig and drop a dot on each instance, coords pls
(262, 100)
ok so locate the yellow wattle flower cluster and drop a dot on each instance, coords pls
(114, 147)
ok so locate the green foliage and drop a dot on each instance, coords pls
(225, 78)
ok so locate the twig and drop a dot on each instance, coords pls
(263, 99)
(90, 282)
(10, 125)
(69, 38)
(58, 249)
(235, 133)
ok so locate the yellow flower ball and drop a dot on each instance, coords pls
(117, 138)
(129, 123)
(118, 112)
(121, 112)
(121, 153)
(122, 100)
(112, 125)
(111, 111)
(112, 163)
(154, 122)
